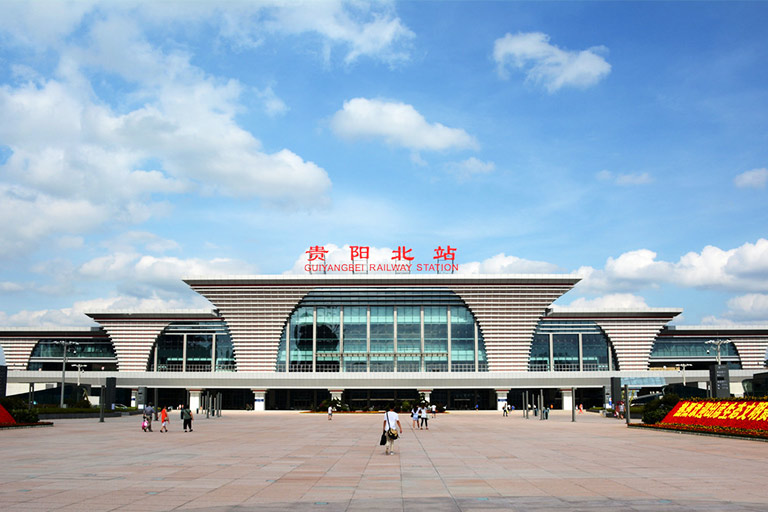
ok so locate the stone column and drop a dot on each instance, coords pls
(194, 399)
(501, 399)
(134, 394)
(567, 395)
(259, 400)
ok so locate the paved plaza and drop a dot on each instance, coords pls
(293, 461)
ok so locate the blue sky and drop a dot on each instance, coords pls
(144, 141)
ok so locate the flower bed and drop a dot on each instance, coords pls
(729, 417)
(713, 430)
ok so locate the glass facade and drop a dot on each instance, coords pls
(570, 345)
(668, 351)
(193, 347)
(93, 354)
(381, 330)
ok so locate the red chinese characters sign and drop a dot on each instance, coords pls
(720, 413)
(400, 261)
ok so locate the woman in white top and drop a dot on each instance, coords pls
(391, 422)
(415, 417)
(424, 415)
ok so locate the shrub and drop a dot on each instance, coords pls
(24, 416)
(657, 409)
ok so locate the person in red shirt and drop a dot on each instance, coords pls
(164, 420)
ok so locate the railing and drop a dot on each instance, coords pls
(192, 368)
(463, 367)
(542, 367)
(566, 367)
(595, 367)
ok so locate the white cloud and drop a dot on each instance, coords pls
(549, 65)
(503, 264)
(625, 179)
(8, 287)
(751, 307)
(91, 165)
(365, 28)
(756, 178)
(399, 124)
(467, 169)
(744, 268)
(76, 315)
(610, 301)
(141, 272)
(273, 105)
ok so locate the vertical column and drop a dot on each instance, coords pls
(288, 345)
(551, 352)
(194, 398)
(341, 338)
(368, 339)
(610, 359)
(314, 340)
(422, 360)
(477, 359)
(157, 349)
(184, 354)
(259, 400)
(581, 354)
(501, 399)
(134, 397)
(448, 317)
(213, 353)
(394, 337)
(567, 394)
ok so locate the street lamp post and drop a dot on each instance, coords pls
(717, 344)
(65, 346)
(79, 371)
(682, 367)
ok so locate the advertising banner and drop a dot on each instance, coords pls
(749, 415)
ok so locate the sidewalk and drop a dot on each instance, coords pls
(291, 461)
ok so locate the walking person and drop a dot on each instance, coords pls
(149, 411)
(505, 411)
(164, 420)
(434, 411)
(330, 412)
(415, 417)
(424, 414)
(186, 415)
(391, 420)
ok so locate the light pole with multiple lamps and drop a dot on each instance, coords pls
(717, 344)
(65, 344)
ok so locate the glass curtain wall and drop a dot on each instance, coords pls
(355, 339)
(328, 339)
(352, 336)
(301, 349)
(462, 340)
(435, 339)
(382, 350)
(408, 339)
(570, 345)
(193, 347)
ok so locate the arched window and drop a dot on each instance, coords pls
(381, 330)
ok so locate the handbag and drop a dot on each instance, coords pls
(383, 439)
(392, 433)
